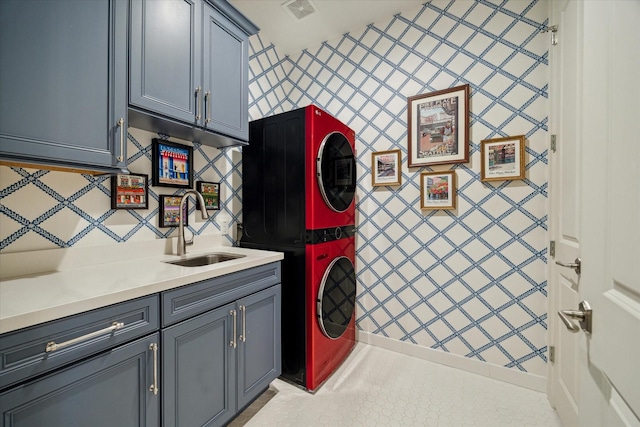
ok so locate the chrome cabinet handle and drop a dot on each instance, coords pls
(583, 315)
(52, 346)
(243, 336)
(207, 106)
(121, 124)
(154, 387)
(233, 342)
(198, 90)
(575, 265)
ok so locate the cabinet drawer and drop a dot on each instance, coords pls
(188, 301)
(29, 352)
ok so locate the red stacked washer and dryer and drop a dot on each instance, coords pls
(299, 183)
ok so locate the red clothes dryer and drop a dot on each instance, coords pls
(298, 189)
(330, 170)
(299, 175)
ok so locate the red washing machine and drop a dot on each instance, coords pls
(299, 184)
(331, 297)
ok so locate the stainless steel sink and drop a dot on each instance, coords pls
(207, 259)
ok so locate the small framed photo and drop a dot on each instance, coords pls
(438, 190)
(386, 168)
(172, 164)
(129, 191)
(502, 158)
(169, 211)
(438, 132)
(210, 193)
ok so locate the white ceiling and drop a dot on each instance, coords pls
(332, 19)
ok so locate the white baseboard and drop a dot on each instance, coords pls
(523, 379)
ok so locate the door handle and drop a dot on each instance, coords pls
(583, 315)
(198, 101)
(234, 343)
(243, 334)
(575, 265)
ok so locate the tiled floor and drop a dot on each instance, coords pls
(378, 387)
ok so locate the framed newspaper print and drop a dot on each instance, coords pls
(438, 131)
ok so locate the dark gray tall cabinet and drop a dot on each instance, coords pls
(63, 68)
(188, 70)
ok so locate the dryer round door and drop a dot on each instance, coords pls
(337, 297)
(336, 172)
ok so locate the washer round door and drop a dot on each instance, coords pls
(337, 297)
(336, 172)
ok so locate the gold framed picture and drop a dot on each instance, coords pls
(502, 158)
(386, 168)
(438, 190)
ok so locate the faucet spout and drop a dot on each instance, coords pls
(182, 242)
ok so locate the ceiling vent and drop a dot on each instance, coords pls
(300, 9)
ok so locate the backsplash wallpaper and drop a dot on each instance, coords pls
(42, 209)
(471, 281)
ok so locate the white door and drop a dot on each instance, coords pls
(606, 389)
(564, 189)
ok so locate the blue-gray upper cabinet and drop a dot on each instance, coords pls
(188, 66)
(63, 67)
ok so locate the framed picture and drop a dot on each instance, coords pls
(502, 158)
(210, 193)
(438, 190)
(169, 208)
(129, 191)
(438, 131)
(172, 164)
(386, 168)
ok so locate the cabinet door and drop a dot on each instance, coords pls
(165, 57)
(225, 71)
(259, 354)
(63, 72)
(109, 390)
(198, 367)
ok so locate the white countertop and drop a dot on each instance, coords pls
(48, 295)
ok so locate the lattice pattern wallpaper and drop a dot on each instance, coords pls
(471, 281)
(42, 209)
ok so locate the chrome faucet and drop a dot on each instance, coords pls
(182, 242)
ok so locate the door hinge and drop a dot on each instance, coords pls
(553, 143)
(552, 248)
(554, 36)
(552, 354)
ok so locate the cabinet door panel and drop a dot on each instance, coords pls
(109, 390)
(199, 370)
(63, 68)
(165, 56)
(226, 80)
(259, 355)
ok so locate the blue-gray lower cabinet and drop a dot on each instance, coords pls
(63, 66)
(110, 389)
(216, 363)
(259, 340)
(198, 365)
